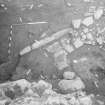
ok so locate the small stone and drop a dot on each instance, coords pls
(88, 21)
(45, 84)
(89, 36)
(69, 48)
(78, 43)
(98, 13)
(49, 92)
(71, 85)
(76, 23)
(69, 75)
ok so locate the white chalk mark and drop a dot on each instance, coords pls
(11, 32)
(31, 23)
(10, 38)
(9, 51)
(20, 19)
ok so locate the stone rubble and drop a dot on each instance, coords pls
(48, 97)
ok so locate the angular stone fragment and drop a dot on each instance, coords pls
(69, 75)
(78, 43)
(71, 85)
(98, 13)
(27, 101)
(85, 30)
(76, 23)
(88, 21)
